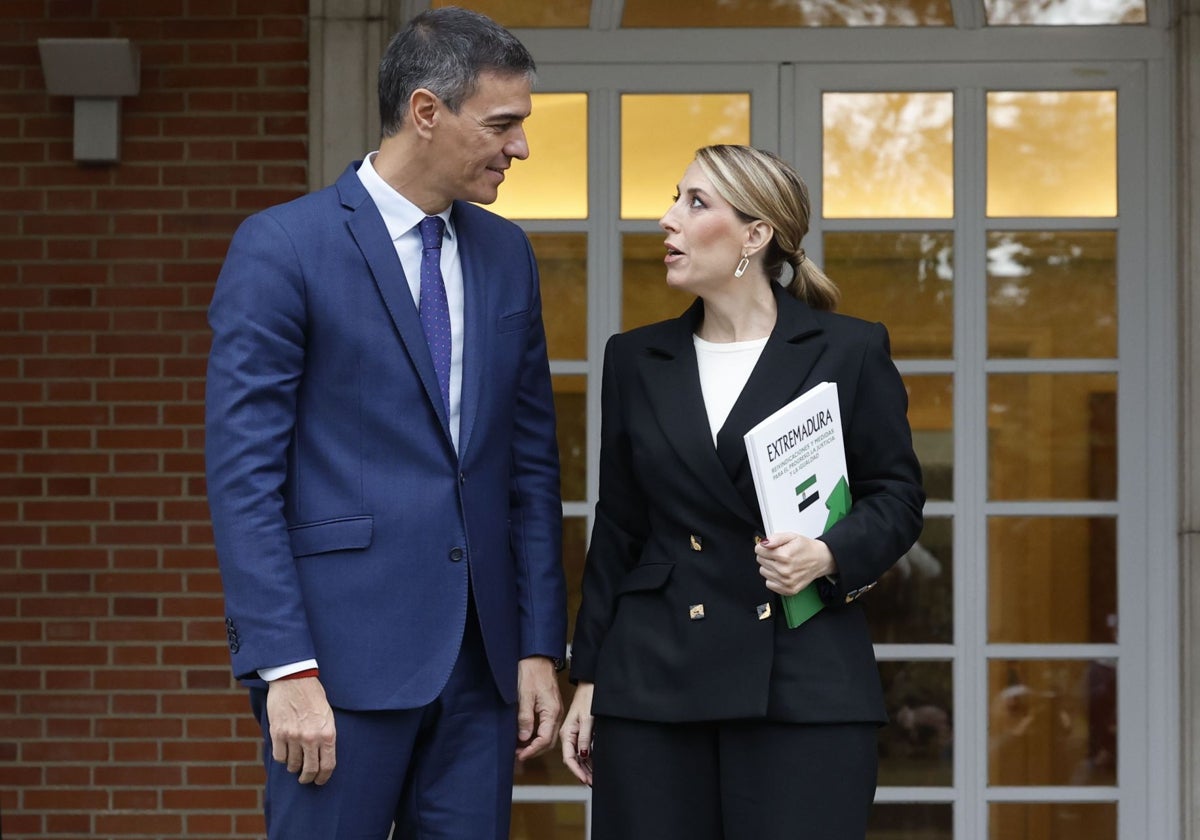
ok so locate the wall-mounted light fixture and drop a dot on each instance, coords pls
(97, 72)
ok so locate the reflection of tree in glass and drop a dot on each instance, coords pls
(1051, 153)
(1007, 12)
(888, 154)
(1061, 284)
(855, 12)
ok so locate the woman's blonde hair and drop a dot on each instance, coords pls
(761, 185)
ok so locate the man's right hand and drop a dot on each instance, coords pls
(302, 731)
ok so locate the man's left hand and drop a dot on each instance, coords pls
(539, 710)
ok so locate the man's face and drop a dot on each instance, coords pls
(475, 146)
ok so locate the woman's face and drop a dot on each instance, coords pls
(705, 236)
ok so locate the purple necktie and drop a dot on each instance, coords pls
(435, 311)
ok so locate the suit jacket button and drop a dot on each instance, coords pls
(456, 554)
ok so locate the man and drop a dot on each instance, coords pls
(382, 467)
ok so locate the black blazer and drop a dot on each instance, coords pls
(676, 521)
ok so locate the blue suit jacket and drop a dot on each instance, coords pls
(346, 525)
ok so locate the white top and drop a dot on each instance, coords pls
(724, 369)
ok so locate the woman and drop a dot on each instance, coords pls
(698, 712)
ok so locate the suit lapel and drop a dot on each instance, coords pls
(672, 379)
(475, 325)
(781, 374)
(371, 235)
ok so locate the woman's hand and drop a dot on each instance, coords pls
(790, 562)
(576, 733)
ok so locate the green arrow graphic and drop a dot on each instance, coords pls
(838, 502)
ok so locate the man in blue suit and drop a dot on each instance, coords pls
(382, 467)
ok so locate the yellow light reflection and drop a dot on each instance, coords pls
(888, 155)
(522, 13)
(552, 183)
(1052, 153)
(659, 137)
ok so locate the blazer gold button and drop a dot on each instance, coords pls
(764, 611)
(696, 612)
(695, 541)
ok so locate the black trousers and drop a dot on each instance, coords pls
(730, 780)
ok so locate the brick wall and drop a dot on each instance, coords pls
(118, 716)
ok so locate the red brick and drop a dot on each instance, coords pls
(65, 415)
(271, 7)
(218, 800)
(59, 729)
(125, 656)
(210, 824)
(139, 438)
(137, 368)
(138, 680)
(75, 631)
(75, 486)
(66, 511)
(67, 681)
(135, 751)
(135, 800)
(81, 799)
(62, 608)
(66, 462)
(139, 824)
(68, 750)
(133, 582)
(69, 825)
(193, 607)
(135, 511)
(159, 727)
(63, 655)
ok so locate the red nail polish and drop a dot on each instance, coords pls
(583, 753)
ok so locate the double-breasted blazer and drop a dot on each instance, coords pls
(346, 524)
(677, 516)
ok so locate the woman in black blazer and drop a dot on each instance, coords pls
(698, 712)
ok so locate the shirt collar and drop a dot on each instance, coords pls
(400, 215)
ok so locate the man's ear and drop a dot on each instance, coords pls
(424, 109)
(758, 236)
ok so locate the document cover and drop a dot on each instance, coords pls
(798, 460)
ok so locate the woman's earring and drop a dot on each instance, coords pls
(742, 266)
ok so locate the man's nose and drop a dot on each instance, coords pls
(518, 146)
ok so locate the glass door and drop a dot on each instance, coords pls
(991, 217)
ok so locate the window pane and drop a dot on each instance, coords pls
(1052, 153)
(645, 295)
(1052, 722)
(931, 416)
(1052, 821)
(916, 748)
(516, 14)
(769, 13)
(888, 155)
(914, 602)
(548, 820)
(562, 267)
(1052, 294)
(1052, 436)
(1070, 600)
(1063, 12)
(552, 183)
(905, 280)
(653, 160)
(911, 821)
(570, 409)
